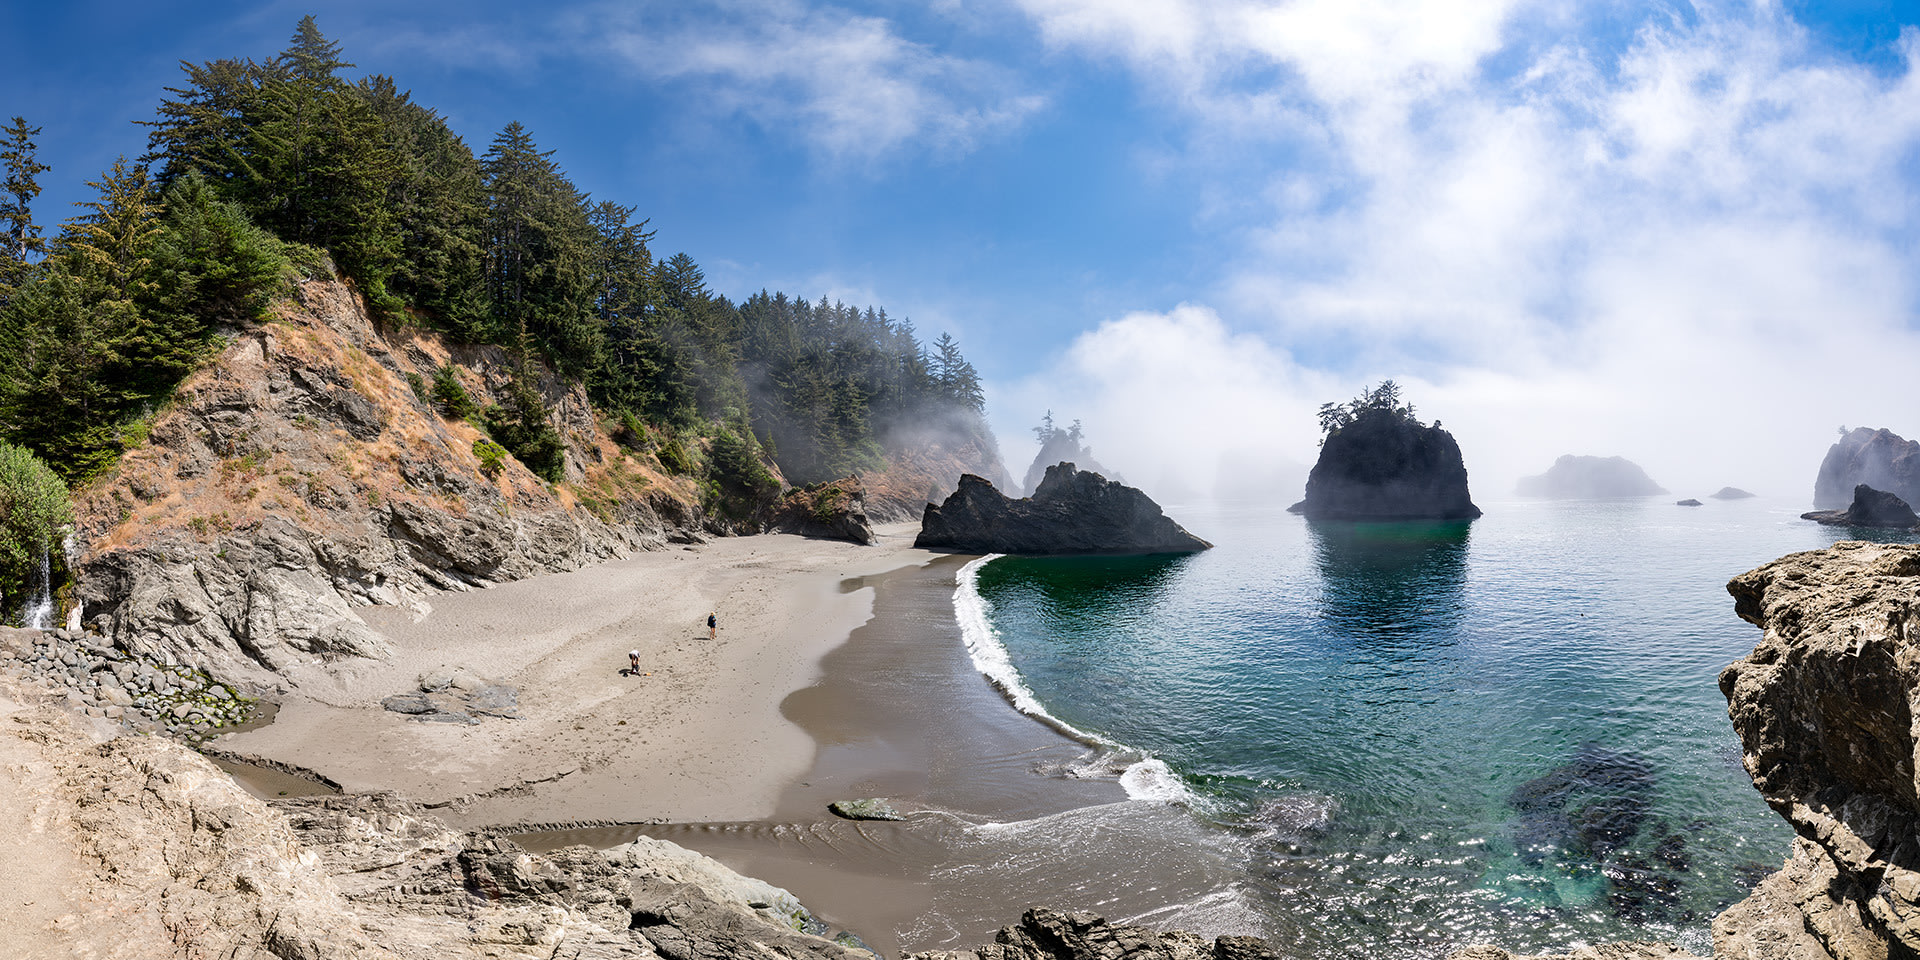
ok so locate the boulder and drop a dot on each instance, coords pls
(1044, 934)
(1072, 511)
(1870, 508)
(871, 808)
(831, 511)
(1590, 478)
(1879, 458)
(1388, 466)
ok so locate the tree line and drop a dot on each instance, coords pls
(257, 173)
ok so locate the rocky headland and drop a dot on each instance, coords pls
(1072, 511)
(1870, 508)
(1385, 465)
(1732, 493)
(1880, 459)
(1590, 478)
(1061, 445)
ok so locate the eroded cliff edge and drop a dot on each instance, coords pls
(1825, 707)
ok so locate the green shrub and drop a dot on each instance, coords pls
(35, 513)
(493, 457)
(674, 457)
(452, 397)
(419, 388)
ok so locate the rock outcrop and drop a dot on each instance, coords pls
(1870, 508)
(1590, 478)
(834, 511)
(1061, 445)
(1045, 934)
(1072, 512)
(307, 472)
(137, 848)
(1385, 466)
(1824, 706)
(1880, 459)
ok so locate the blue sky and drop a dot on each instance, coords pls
(1683, 233)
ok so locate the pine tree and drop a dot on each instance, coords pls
(312, 57)
(19, 238)
(112, 243)
(539, 246)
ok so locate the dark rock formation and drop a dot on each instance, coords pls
(1880, 459)
(1689, 502)
(1071, 512)
(1824, 710)
(1590, 478)
(1049, 935)
(1384, 466)
(831, 511)
(1732, 493)
(871, 808)
(1870, 508)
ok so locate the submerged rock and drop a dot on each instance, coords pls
(1590, 478)
(1072, 512)
(1388, 466)
(1881, 459)
(1870, 508)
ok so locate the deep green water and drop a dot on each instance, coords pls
(1407, 737)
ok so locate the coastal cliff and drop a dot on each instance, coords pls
(303, 474)
(1824, 707)
(1072, 511)
(1880, 459)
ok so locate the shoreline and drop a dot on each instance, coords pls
(698, 737)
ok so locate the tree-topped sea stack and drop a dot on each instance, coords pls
(1071, 512)
(1379, 462)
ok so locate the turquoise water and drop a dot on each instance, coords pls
(1409, 737)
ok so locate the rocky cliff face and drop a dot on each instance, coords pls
(303, 474)
(1825, 710)
(1386, 467)
(138, 848)
(1590, 478)
(927, 469)
(1878, 458)
(1870, 508)
(1071, 512)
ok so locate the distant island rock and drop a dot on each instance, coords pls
(1378, 462)
(1732, 493)
(1881, 459)
(1072, 511)
(1590, 478)
(1870, 508)
(1689, 502)
(1061, 445)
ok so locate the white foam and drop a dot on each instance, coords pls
(1144, 777)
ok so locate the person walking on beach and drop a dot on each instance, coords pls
(713, 627)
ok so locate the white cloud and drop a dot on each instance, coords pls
(1694, 248)
(848, 85)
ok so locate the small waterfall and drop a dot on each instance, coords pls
(39, 611)
(70, 549)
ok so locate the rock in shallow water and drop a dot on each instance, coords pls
(872, 808)
(1071, 512)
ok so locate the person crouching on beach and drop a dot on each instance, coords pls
(633, 663)
(713, 627)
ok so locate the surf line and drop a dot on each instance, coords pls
(1143, 776)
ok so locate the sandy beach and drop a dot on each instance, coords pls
(699, 736)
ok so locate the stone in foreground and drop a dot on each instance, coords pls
(871, 808)
(1072, 511)
(1870, 508)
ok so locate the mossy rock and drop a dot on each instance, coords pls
(872, 808)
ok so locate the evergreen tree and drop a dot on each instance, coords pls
(437, 202)
(958, 381)
(538, 253)
(19, 238)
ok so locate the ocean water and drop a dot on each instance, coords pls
(1392, 740)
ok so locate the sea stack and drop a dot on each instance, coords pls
(1870, 508)
(1590, 478)
(1378, 462)
(1072, 511)
(1881, 459)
